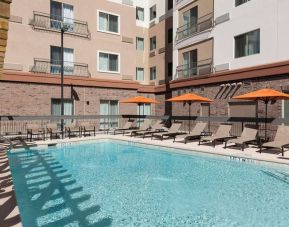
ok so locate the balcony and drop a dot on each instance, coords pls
(195, 69)
(54, 67)
(188, 30)
(43, 21)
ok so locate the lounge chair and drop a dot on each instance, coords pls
(281, 139)
(156, 127)
(127, 126)
(72, 129)
(86, 128)
(35, 130)
(173, 131)
(223, 133)
(196, 133)
(53, 130)
(144, 127)
(248, 135)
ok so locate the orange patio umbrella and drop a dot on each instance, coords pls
(264, 95)
(140, 100)
(189, 98)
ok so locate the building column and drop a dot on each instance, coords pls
(4, 26)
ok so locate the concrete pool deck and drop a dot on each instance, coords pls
(9, 212)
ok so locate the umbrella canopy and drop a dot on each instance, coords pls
(264, 95)
(139, 100)
(189, 98)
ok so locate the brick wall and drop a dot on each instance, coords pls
(35, 99)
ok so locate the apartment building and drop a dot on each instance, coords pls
(122, 48)
(113, 49)
(229, 47)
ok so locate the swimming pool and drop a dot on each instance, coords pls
(111, 183)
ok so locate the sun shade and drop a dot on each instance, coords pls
(190, 97)
(139, 100)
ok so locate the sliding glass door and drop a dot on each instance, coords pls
(109, 107)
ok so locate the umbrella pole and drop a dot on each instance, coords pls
(266, 114)
(190, 117)
(139, 115)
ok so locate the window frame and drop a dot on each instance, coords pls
(151, 38)
(109, 13)
(137, 38)
(246, 33)
(136, 78)
(236, 5)
(136, 11)
(155, 76)
(155, 15)
(107, 71)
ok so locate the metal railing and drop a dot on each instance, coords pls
(194, 27)
(17, 125)
(49, 22)
(193, 69)
(54, 67)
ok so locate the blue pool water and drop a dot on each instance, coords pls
(111, 183)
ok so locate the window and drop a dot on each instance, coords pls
(153, 12)
(55, 57)
(59, 12)
(108, 107)
(153, 43)
(68, 108)
(170, 35)
(140, 13)
(139, 74)
(240, 2)
(144, 109)
(139, 43)
(108, 22)
(153, 73)
(247, 44)
(286, 109)
(190, 63)
(170, 69)
(108, 62)
(170, 4)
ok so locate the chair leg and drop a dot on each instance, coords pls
(214, 143)
(226, 144)
(282, 151)
(243, 144)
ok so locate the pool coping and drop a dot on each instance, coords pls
(189, 148)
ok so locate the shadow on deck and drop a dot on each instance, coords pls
(9, 213)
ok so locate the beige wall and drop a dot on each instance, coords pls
(142, 57)
(204, 7)
(160, 60)
(205, 50)
(25, 44)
